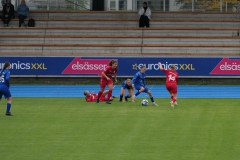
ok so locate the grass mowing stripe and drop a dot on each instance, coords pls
(70, 128)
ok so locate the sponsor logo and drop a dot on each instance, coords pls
(86, 66)
(155, 66)
(26, 66)
(227, 66)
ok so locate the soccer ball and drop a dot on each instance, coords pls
(144, 102)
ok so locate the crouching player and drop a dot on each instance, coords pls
(171, 82)
(140, 84)
(92, 97)
(127, 84)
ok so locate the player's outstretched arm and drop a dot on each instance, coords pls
(105, 76)
(160, 65)
(115, 77)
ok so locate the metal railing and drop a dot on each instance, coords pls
(134, 5)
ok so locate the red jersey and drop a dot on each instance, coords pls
(171, 76)
(109, 72)
(93, 97)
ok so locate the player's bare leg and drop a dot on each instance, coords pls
(131, 93)
(122, 99)
(151, 97)
(171, 95)
(136, 94)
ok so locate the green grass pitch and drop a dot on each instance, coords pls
(70, 128)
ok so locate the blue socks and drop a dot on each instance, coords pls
(127, 96)
(152, 99)
(121, 96)
(8, 107)
(137, 93)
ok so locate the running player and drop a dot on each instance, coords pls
(106, 80)
(127, 84)
(171, 82)
(4, 86)
(92, 97)
(140, 84)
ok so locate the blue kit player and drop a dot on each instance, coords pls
(4, 86)
(140, 84)
(127, 84)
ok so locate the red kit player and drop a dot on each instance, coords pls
(92, 97)
(106, 80)
(171, 82)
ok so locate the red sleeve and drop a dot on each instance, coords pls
(107, 69)
(165, 71)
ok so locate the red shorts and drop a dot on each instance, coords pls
(104, 82)
(172, 88)
(102, 98)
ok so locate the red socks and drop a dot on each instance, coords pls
(173, 99)
(109, 94)
(99, 94)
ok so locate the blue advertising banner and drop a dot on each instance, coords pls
(128, 66)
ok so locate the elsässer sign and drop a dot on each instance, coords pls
(128, 66)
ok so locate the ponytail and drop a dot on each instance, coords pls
(6, 64)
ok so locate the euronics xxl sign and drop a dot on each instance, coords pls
(128, 66)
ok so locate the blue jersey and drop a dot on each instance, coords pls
(139, 79)
(125, 86)
(5, 78)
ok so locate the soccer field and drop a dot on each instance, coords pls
(70, 128)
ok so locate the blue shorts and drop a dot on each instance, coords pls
(4, 91)
(138, 87)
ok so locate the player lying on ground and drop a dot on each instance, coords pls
(127, 84)
(92, 97)
(171, 82)
(140, 84)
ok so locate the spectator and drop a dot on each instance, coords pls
(23, 11)
(144, 13)
(8, 13)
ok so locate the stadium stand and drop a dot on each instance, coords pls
(67, 33)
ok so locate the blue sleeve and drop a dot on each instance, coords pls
(27, 11)
(134, 78)
(18, 10)
(7, 79)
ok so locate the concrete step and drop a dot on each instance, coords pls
(123, 50)
(132, 15)
(183, 54)
(119, 31)
(27, 40)
(129, 24)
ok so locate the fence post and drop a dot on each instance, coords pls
(164, 3)
(226, 6)
(48, 5)
(220, 5)
(192, 5)
(74, 5)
